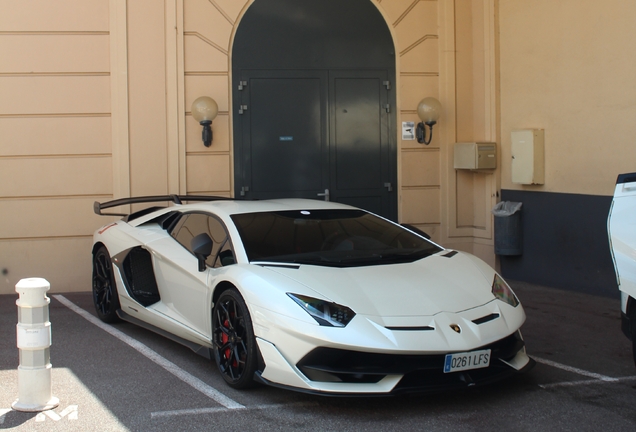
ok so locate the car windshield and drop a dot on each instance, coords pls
(337, 238)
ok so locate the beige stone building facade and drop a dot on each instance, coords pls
(95, 100)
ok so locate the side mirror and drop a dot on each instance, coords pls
(202, 248)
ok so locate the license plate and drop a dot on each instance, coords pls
(466, 361)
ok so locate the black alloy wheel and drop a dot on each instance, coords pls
(104, 289)
(233, 340)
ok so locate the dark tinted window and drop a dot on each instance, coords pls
(193, 224)
(328, 237)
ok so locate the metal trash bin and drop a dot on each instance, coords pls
(508, 228)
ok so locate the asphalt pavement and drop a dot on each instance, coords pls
(124, 378)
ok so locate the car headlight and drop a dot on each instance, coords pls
(503, 292)
(325, 313)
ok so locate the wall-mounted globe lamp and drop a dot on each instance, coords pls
(204, 110)
(428, 110)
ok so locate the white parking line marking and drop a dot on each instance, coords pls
(575, 370)
(184, 376)
(586, 382)
(197, 411)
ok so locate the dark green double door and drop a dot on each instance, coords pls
(316, 134)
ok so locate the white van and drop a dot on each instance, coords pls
(621, 228)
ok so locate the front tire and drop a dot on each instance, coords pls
(233, 340)
(104, 289)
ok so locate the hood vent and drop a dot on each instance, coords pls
(486, 318)
(424, 328)
(287, 266)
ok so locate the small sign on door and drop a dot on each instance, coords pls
(408, 131)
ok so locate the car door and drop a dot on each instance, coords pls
(184, 290)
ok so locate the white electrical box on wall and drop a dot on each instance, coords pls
(475, 155)
(528, 166)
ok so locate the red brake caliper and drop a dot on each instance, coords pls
(225, 338)
(235, 361)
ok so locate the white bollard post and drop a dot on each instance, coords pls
(34, 342)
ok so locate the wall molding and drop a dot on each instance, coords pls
(175, 104)
(207, 73)
(221, 11)
(54, 33)
(58, 156)
(417, 42)
(53, 115)
(419, 74)
(207, 41)
(50, 74)
(119, 97)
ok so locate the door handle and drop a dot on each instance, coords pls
(325, 194)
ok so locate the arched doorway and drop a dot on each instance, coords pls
(314, 103)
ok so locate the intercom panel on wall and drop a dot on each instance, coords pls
(475, 155)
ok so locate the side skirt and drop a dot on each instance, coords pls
(199, 349)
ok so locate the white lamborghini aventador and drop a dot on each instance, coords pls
(308, 295)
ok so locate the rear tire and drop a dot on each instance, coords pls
(233, 340)
(104, 289)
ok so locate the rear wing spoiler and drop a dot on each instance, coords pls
(176, 199)
(626, 178)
